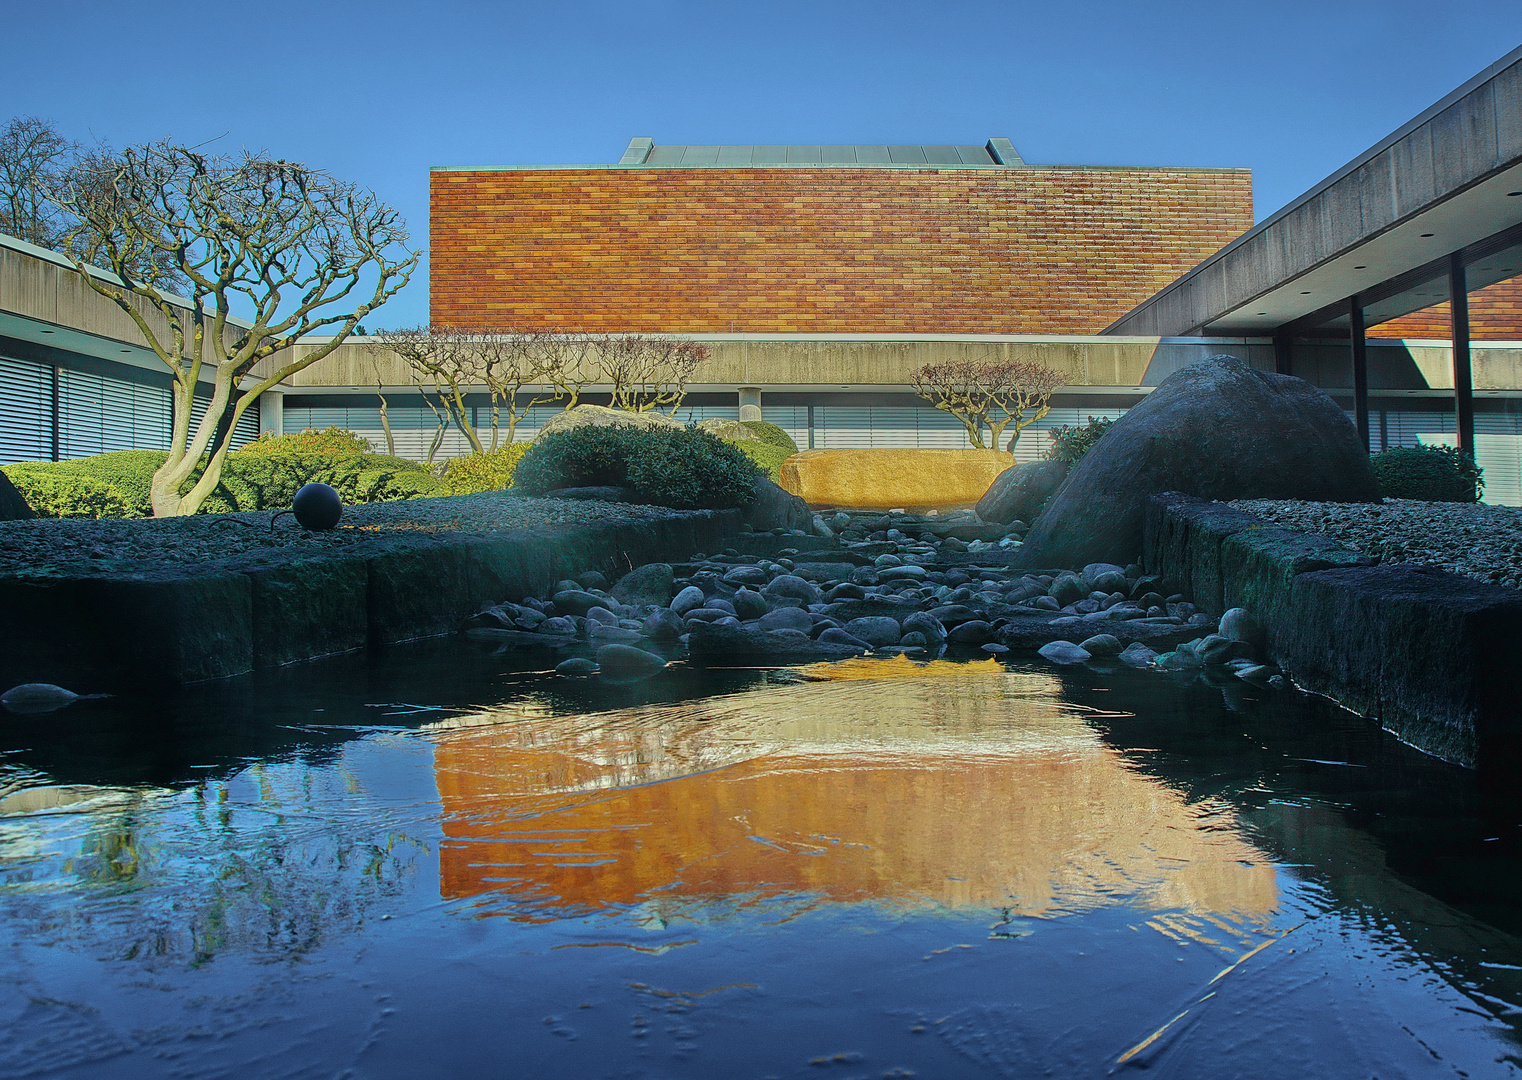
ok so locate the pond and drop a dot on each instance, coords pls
(438, 862)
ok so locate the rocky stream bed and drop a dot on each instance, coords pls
(887, 584)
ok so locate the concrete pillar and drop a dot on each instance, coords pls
(272, 412)
(750, 403)
(1360, 369)
(1463, 384)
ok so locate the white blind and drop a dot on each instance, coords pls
(97, 414)
(26, 411)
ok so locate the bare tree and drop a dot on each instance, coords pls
(991, 395)
(447, 360)
(513, 360)
(647, 371)
(33, 157)
(284, 243)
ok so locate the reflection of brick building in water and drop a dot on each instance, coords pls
(939, 791)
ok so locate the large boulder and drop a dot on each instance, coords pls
(774, 508)
(602, 416)
(12, 506)
(1217, 429)
(1017, 493)
(728, 430)
(653, 583)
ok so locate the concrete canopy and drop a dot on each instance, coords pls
(1449, 181)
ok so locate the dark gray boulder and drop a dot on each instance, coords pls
(725, 646)
(1018, 492)
(653, 583)
(12, 506)
(774, 508)
(1217, 430)
(624, 663)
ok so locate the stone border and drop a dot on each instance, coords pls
(1430, 654)
(115, 632)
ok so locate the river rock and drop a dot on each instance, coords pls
(521, 639)
(793, 586)
(624, 663)
(617, 635)
(747, 575)
(725, 646)
(834, 635)
(1217, 429)
(907, 572)
(599, 614)
(868, 607)
(652, 583)
(575, 602)
(787, 618)
(1101, 645)
(576, 667)
(973, 632)
(663, 624)
(773, 508)
(1064, 652)
(1018, 492)
(931, 629)
(748, 604)
(688, 599)
(1067, 589)
(1138, 655)
(950, 615)
(559, 626)
(875, 630)
(1239, 625)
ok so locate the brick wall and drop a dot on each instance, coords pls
(826, 250)
(1495, 314)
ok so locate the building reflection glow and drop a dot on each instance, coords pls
(960, 786)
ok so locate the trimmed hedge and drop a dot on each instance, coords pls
(263, 475)
(768, 457)
(687, 469)
(771, 434)
(491, 471)
(1428, 473)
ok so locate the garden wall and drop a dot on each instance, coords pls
(1431, 655)
(96, 633)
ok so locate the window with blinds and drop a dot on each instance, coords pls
(26, 411)
(246, 431)
(98, 414)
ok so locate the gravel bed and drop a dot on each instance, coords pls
(115, 545)
(1479, 541)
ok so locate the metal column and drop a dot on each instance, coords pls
(1282, 361)
(1360, 370)
(1463, 384)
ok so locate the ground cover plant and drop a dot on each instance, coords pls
(681, 468)
(1428, 474)
(263, 475)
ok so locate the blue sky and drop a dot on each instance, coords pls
(378, 92)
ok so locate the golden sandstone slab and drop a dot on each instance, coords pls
(886, 479)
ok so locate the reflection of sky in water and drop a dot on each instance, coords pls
(943, 873)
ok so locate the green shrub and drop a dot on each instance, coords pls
(771, 434)
(491, 471)
(58, 493)
(337, 441)
(686, 469)
(1069, 444)
(1428, 473)
(768, 458)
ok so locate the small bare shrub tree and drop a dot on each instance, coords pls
(647, 371)
(991, 395)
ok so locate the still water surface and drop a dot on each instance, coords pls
(429, 864)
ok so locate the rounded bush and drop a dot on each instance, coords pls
(1070, 444)
(1428, 474)
(491, 471)
(768, 457)
(771, 434)
(681, 468)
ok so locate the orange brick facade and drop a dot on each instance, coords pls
(1495, 314)
(834, 250)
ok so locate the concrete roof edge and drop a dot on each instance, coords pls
(1468, 87)
(843, 165)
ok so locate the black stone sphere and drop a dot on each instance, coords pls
(317, 507)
